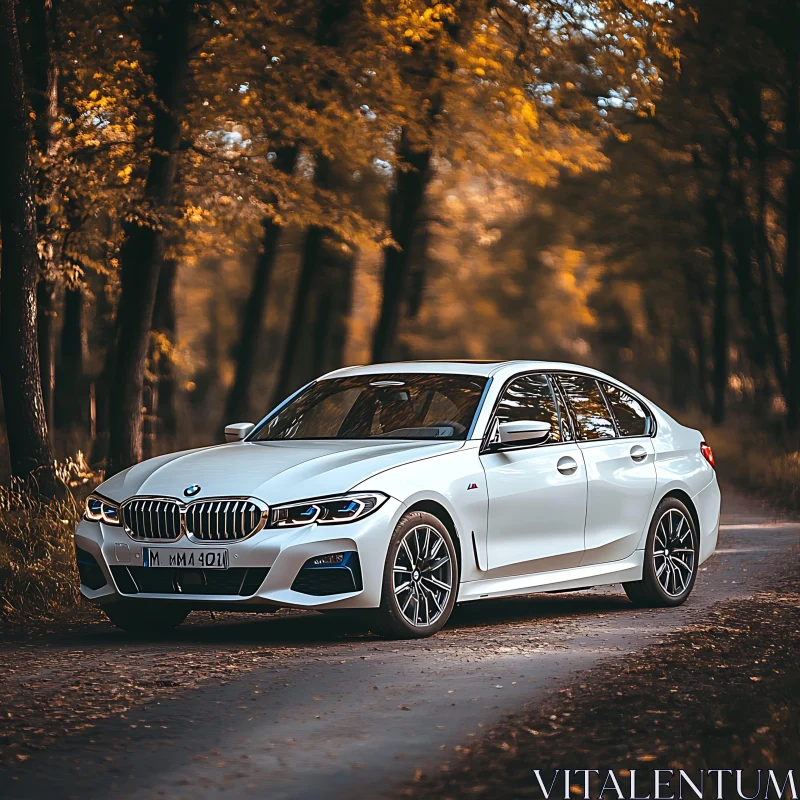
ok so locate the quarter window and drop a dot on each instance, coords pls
(530, 398)
(632, 418)
(589, 407)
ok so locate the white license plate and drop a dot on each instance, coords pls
(174, 557)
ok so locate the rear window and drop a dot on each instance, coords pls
(589, 407)
(632, 417)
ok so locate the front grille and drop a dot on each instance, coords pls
(152, 520)
(159, 519)
(241, 581)
(222, 520)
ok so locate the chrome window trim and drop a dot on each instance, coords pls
(182, 509)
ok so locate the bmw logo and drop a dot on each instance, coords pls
(191, 491)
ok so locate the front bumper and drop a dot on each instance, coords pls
(283, 552)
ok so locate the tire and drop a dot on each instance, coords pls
(143, 619)
(671, 558)
(424, 599)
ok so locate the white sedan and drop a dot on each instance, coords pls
(398, 490)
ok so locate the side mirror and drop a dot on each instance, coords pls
(237, 431)
(526, 431)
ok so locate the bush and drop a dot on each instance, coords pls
(763, 463)
(38, 576)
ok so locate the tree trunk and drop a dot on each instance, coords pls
(792, 265)
(418, 269)
(165, 323)
(309, 269)
(697, 300)
(28, 442)
(46, 341)
(238, 405)
(334, 302)
(743, 241)
(73, 399)
(41, 74)
(142, 250)
(719, 344)
(405, 203)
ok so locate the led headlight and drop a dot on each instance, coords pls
(98, 509)
(327, 511)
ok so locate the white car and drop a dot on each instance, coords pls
(398, 490)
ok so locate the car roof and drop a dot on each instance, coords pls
(501, 369)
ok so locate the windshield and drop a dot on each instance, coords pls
(400, 406)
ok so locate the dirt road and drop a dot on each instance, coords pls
(297, 705)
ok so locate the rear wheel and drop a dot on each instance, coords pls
(420, 579)
(670, 559)
(143, 619)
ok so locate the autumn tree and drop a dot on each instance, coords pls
(26, 424)
(170, 42)
(514, 88)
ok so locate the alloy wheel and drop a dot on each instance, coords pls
(674, 552)
(422, 575)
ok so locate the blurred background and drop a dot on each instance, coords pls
(228, 199)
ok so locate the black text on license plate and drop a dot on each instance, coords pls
(173, 557)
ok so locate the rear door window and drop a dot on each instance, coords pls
(588, 406)
(632, 417)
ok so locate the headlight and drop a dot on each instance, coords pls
(98, 509)
(327, 511)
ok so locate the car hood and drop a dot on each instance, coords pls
(275, 472)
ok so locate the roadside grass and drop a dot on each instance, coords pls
(38, 577)
(761, 463)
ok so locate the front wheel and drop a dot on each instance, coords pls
(145, 619)
(420, 579)
(671, 558)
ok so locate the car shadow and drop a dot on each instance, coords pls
(298, 629)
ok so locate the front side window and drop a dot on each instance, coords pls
(588, 406)
(632, 418)
(397, 406)
(530, 398)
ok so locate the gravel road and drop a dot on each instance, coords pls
(297, 705)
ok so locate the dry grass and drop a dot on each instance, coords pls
(757, 462)
(38, 577)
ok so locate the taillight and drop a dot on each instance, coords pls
(708, 454)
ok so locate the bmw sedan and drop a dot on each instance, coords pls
(398, 490)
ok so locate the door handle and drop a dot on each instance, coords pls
(638, 453)
(566, 465)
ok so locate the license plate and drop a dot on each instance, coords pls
(173, 557)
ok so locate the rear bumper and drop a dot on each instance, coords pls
(707, 502)
(268, 564)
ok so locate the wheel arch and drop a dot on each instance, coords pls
(680, 494)
(443, 515)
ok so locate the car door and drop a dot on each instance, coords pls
(537, 493)
(620, 466)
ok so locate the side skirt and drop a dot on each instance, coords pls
(629, 569)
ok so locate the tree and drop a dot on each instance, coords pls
(516, 88)
(26, 424)
(142, 249)
(237, 405)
